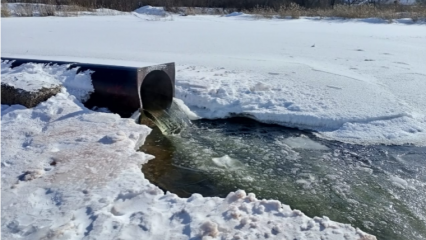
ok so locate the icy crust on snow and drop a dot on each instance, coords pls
(339, 106)
(72, 173)
(33, 77)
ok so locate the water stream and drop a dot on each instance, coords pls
(380, 189)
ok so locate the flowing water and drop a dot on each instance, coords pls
(380, 189)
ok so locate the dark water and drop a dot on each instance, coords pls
(380, 189)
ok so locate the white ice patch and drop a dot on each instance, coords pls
(227, 162)
(390, 131)
(304, 142)
(399, 182)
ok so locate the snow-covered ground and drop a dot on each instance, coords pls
(34, 77)
(349, 80)
(71, 173)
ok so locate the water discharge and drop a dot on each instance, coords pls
(380, 189)
(170, 121)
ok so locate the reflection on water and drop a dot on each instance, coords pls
(380, 189)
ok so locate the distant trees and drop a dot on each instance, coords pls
(129, 5)
(122, 5)
(243, 4)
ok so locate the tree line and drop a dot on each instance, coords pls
(130, 5)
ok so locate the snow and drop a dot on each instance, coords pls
(149, 13)
(235, 14)
(347, 80)
(149, 10)
(185, 109)
(227, 162)
(33, 77)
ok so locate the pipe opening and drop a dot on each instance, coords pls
(157, 91)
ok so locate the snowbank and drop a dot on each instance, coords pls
(235, 14)
(72, 173)
(33, 77)
(150, 13)
(149, 10)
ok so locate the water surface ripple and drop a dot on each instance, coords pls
(380, 189)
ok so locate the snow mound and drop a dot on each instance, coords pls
(149, 10)
(33, 77)
(235, 14)
(29, 77)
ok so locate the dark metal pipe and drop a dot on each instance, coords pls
(123, 89)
